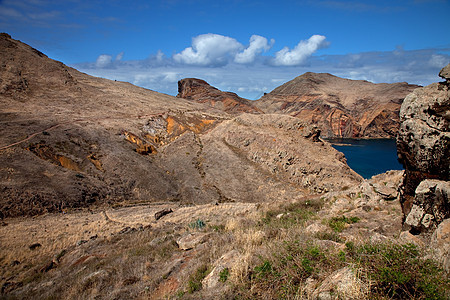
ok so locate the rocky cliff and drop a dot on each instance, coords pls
(423, 145)
(340, 107)
(200, 91)
(70, 140)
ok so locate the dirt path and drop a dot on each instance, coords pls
(76, 121)
(55, 232)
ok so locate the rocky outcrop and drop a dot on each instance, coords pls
(423, 146)
(340, 107)
(200, 91)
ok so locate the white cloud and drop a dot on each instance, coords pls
(250, 81)
(303, 50)
(209, 49)
(438, 61)
(171, 77)
(119, 56)
(159, 55)
(103, 61)
(258, 44)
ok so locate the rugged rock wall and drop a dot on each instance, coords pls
(340, 107)
(200, 91)
(423, 146)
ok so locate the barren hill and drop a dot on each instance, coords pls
(340, 107)
(200, 91)
(71, 140)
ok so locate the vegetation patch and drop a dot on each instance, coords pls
(195, 281)
(196, 225)
(338, 223)
(392, 271)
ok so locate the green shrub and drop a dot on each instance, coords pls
(223, 275)
(399, 271)
(338, 223)
(198, 224)
(195, 281)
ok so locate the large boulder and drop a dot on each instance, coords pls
(423, 149)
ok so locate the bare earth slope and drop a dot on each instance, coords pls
(200, 91)
(71, 140)
(340, 107)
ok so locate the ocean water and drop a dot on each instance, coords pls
(369, 157)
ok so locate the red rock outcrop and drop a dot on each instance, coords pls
(200, 91)
(340, 107)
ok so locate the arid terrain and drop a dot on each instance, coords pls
(111, 191)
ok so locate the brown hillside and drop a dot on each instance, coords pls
(71, 140)
(200, 91)
(340, 107)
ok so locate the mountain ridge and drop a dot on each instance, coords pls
(341, 108)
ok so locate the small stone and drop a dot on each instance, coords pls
(34, 246)
(191, 240)
(14, 263)
(81, 242)
(414, 216)
(407, 237)
(162, 213)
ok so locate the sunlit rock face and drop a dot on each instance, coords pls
(423, 148)
(340, 107)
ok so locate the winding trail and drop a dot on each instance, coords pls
(77, 121)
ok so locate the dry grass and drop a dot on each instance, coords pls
(277, 259)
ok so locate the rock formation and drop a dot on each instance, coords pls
(200, 91)
(70, 140)
(423, 145)
(340, 107)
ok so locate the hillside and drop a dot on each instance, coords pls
(200, 91)
(340, 107)
(71, 140)
(111, 191)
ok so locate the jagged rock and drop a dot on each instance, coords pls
(423, 146)
(340, 107)
(445, 73)
(226, 261)
(431, 205)
(440, 243)
(191, 240)
(162, 213)
(316, 228)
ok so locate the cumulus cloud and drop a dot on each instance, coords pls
(103, 61)
(258, 44)
(303, 50)
(241, 71)
(209, 49)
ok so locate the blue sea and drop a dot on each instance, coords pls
(369, 157)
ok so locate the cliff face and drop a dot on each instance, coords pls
(423, 145)
(340, 107)
(200, 91)
(70, 140)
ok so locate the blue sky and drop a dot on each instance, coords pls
(248, 47)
